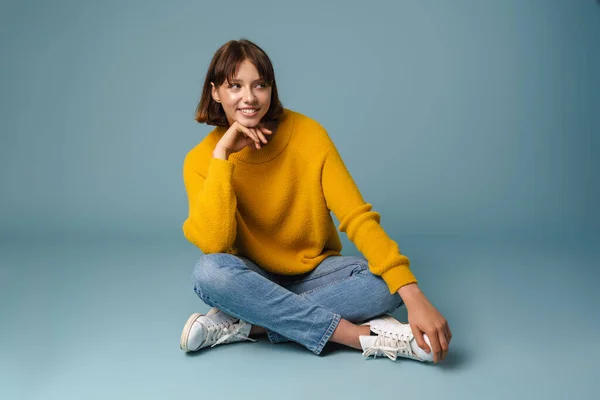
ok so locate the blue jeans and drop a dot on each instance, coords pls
(303, 308)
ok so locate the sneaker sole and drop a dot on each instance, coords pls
(188, 327)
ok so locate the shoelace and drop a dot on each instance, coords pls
(390, 346)
(218, 330)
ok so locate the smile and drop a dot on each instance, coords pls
(249, 112)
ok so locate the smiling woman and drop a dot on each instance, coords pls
(239, 77)
(246, 94)
(261, 215)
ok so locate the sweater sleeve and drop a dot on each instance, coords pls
(361, 224)
(211, 223)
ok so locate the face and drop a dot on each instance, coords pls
(247, 99)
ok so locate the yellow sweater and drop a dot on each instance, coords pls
(272, 205)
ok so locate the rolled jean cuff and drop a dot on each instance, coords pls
(275, 337)
(327, 335)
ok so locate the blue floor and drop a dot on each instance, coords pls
(90, 318)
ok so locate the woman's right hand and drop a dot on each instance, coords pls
(239, 136)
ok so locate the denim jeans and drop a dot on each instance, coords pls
(302, 308)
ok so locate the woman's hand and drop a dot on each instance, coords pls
(238, 136)
(424, 318)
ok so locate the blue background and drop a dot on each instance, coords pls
(471, 126)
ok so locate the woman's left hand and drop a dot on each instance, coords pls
(424, 318)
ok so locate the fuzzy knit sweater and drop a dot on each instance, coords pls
(272, 205)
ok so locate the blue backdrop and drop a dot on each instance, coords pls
(471, 125)
(453, 117)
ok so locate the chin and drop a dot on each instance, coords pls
(250, 122)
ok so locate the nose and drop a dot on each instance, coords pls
(249, 96)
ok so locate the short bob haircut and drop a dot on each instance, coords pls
(223, 66)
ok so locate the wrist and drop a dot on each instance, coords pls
(409, 292)
(220, 153)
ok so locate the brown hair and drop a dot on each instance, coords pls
(223, 67)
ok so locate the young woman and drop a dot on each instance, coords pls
(261, 187)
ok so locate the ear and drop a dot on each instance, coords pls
(215, 93)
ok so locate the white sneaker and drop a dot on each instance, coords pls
(394, 339)
(212, 329)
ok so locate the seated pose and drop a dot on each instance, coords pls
(261, 187)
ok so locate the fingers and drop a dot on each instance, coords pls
(256, 134)
(264, 129)
(261, 132)
(421, 341)
(261, 136)
(440, 340)
(448, 336)
(435, 345)
(256, 137)
(443, 343)
(251, 134)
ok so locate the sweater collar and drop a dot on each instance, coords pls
(277, 143)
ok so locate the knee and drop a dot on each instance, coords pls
(393, 302)
(210, 274)
(380, 299)
(383, 301)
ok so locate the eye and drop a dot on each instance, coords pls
(233, 85)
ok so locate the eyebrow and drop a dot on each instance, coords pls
(239, 80)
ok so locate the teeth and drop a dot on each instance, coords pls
(252, 111)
